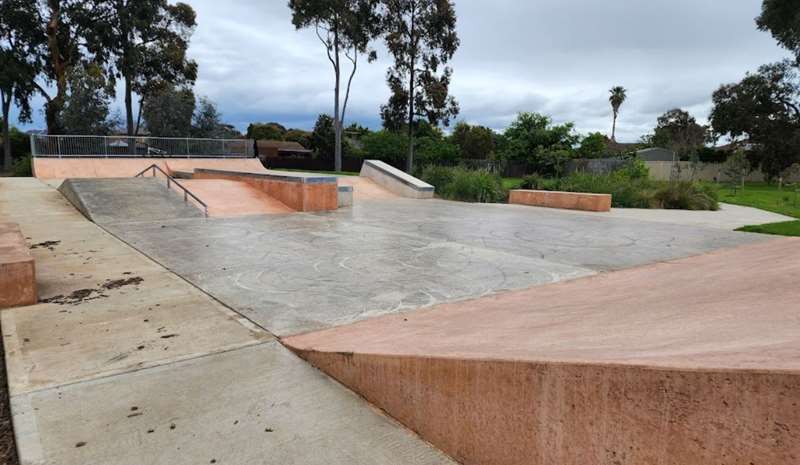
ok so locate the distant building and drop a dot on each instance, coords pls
(280, 148)
(655, 154)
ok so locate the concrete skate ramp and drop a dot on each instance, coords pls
(693, 361)
(231, 198)
(107, 201)
(366, 189)
(395, 180)
(63, 168)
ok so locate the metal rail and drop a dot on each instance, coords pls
(46, 146)
(170, 180)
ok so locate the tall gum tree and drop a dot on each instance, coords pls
(345, 28)
(20, 63)
(145, 43)
(421, 37)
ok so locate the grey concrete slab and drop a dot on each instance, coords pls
(253, 406)
(296, 273)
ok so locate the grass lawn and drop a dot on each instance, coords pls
(785, 201)
(512, 183)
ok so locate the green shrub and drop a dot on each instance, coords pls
(465, 185)
(686, 195)
(437, 176)
(22, 166)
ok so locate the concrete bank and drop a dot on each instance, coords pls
(122, 362)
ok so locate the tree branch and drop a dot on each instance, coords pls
(353, 60)
(326, 44)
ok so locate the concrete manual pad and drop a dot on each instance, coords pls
(298, 273)
(259, 405)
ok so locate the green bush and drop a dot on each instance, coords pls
(22, 166)
(686, 195)
(465, 185)
(437, 176)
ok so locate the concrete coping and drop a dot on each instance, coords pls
(399, 175)
(300, 178)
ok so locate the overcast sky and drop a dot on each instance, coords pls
(557, 57)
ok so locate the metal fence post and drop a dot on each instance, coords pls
(187, 147)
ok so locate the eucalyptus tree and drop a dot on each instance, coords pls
(144, 43)
(20, 63)
(345, 28)
(421, 36)
(616, 99)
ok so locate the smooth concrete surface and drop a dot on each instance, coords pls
(226, 198)
(693, 361)
(727, 217)
(258, 405)
(395, 180)
(300, 192)
(125, 363)
(564, 200)
(345, 196)
(63, 168)
(300, 273)
(17, 268)
(114, 199)
(365, 189)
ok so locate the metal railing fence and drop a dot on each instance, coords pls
(47, 146)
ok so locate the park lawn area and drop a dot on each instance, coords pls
(768, 197)
(512, 183)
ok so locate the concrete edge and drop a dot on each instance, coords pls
(277, 177)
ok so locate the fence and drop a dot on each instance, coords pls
(136, 147)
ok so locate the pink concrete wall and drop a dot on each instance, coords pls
(62, 168)
(566, 200)
(491, 412)
(17, 269)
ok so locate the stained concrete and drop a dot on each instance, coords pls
(258, 405)
(121, 346)
(298, 273)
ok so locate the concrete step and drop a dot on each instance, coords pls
(127, 199)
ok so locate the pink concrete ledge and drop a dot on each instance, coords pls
(17, 270)
(565, 200)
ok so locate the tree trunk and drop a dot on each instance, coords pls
(129, 106)
(55, 105)
(337, 122)
(6, 101)
(614, 129)
(413, 63)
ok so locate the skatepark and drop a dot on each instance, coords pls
(211, 310)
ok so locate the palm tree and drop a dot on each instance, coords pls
(618, 96)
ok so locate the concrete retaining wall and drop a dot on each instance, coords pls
(396, 181)
(565, 200)
(299, 192)
(662, 170)
(17, 268)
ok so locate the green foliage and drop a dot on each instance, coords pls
(323, 140)
(594, 145)
(168, 112)
(20, 142)
(298, 135)
(737, 167)
(763, 110)
(630, 187)
(385, 145)
(435, 149)
(266, 131)
(86, 108)
(786, 228)
(207, 122)
(465, 185)
(779, 17)
(22, 166)
(535, 139)
(474, 142)
(679, 131)
(686, 195)
(616, 99)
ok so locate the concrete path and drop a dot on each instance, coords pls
(300, 273)
(693, 361)
(125, 363)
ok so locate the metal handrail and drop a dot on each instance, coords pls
(170, 180)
